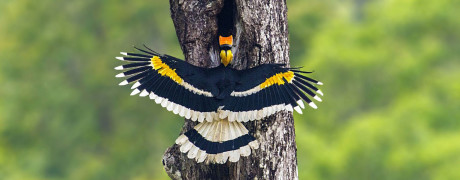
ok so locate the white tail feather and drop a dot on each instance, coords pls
(218, 131)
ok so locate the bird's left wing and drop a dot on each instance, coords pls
(267, 89)
(171, 82)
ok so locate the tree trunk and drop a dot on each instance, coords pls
(261, 36)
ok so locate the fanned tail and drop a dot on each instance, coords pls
(217, 142)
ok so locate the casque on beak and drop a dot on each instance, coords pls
(226, 55)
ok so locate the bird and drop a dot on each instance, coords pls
(219, 98)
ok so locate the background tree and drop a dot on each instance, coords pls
(261, 37)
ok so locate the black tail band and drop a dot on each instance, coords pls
(217, 147)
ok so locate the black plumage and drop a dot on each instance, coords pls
(217, 147)
(220, 98)
(209, 89)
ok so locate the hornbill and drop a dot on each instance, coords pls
(220, 98)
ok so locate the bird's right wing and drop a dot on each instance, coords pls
(267, 89)
(175, 84)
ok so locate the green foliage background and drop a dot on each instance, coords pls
(391, 108)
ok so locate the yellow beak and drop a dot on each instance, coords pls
(226, 57)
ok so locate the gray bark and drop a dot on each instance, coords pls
(261, 37)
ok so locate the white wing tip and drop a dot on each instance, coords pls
(135, 85)
(319, 83)
(300, 103)
(297, 108)
(320, 92)
(317, 98)
(120, 75)
(119, 68)
(152, 95)
(120, 58)
(136, 91)
(289, 108)
(125, 82)
(313, 105)
(124, 53)
(144, 93)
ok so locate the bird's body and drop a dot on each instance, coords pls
(220, 81)
(220, 98)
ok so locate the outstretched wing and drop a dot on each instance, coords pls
(171, 82)
(267, 89)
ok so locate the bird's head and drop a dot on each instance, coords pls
(226, 55)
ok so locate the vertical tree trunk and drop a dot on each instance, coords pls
(261, 37)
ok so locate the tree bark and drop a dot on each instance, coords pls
(261, 37)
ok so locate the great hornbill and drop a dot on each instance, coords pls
(219, 98)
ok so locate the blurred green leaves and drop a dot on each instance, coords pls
(62, 114)
(390, 69)
(391, 101)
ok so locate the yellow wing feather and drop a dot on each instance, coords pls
(165, 70)
(278, 79)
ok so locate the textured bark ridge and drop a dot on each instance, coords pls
(261, 37)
